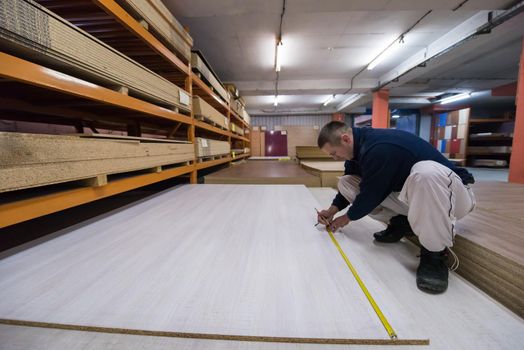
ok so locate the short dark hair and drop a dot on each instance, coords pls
(331, 133)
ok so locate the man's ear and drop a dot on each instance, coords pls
(345, 139)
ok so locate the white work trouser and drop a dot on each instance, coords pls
(433, 198)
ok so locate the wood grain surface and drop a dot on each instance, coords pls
(264, 172)
(200, 259)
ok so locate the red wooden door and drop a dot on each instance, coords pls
(276, 144)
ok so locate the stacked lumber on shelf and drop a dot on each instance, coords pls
(30, 160)
(311, 153)
(199, 63)
(161, 22)
(204, 110)
(489, 149)
(30, 31)
(237, 129)
(209, 148)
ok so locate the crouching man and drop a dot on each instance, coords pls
(399, 179)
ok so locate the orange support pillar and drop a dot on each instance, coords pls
(516, 164)
(380, 109)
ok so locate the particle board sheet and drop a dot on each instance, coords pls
(329, 172)
(162, 22)
(462, 318)
(209, 147)
(199, 63)
(203, 109)
(241, 262)
(266, 172)
(33, 32)
(30, 160)
(311, 153)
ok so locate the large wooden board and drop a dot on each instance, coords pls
(203, 109)
(311, 153)
(162, 22)
(31, 31)
(329, 172)
(30, 160)
(198, 63)
(266, 172)
(199, 259)
(209, 147)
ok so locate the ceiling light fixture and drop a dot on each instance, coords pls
(454, 98)
(275, 102)
(385, 53)
(331, 98)
(349, 101)
(278, 56)
(395, 116)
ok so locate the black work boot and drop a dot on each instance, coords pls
(398, 227)
(432, 273)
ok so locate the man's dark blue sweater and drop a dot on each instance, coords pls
(383, 158)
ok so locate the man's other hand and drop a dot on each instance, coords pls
(326, 216)
(339, 222)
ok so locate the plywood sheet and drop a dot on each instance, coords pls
(241, 261)
(266, 172)
(199, 64)
(162, 22)
(300, 136)
(209, 147)
(30, 160)
(33, 32)
(203, 109)
(255, 143)
(311, 153)
(329, 172)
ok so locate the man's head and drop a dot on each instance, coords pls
(336, 139)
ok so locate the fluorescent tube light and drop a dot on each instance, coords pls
(329, 100)
(278, 58)
(396, 116)
(275, 102)
(455, 98)
(387, 52)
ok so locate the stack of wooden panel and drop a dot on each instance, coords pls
(204, 110)
(199, 64)
(311, 153)
(211, 148)
(29, 30)
(237, 129)
(160, 20)
(30, 160)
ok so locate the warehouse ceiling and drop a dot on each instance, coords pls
(326, 43)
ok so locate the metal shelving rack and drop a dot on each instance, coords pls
(52, 96)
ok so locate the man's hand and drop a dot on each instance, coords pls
(339, 222)
(326, 216)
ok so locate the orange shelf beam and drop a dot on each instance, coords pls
(16, 212)
(33, 74)
(113, 9)
(203, 86)
(210, 163)
(209, 127)
(239, 137)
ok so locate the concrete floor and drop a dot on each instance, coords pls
(489, 174)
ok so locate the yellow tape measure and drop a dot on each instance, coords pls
(379, 313)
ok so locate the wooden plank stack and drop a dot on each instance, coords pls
(199, 63)
(160, 21)
(210, 148)
(204, 110)
(31, 31)
(311, 153)
(30, 160)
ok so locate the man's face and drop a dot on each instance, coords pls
(343, 151)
